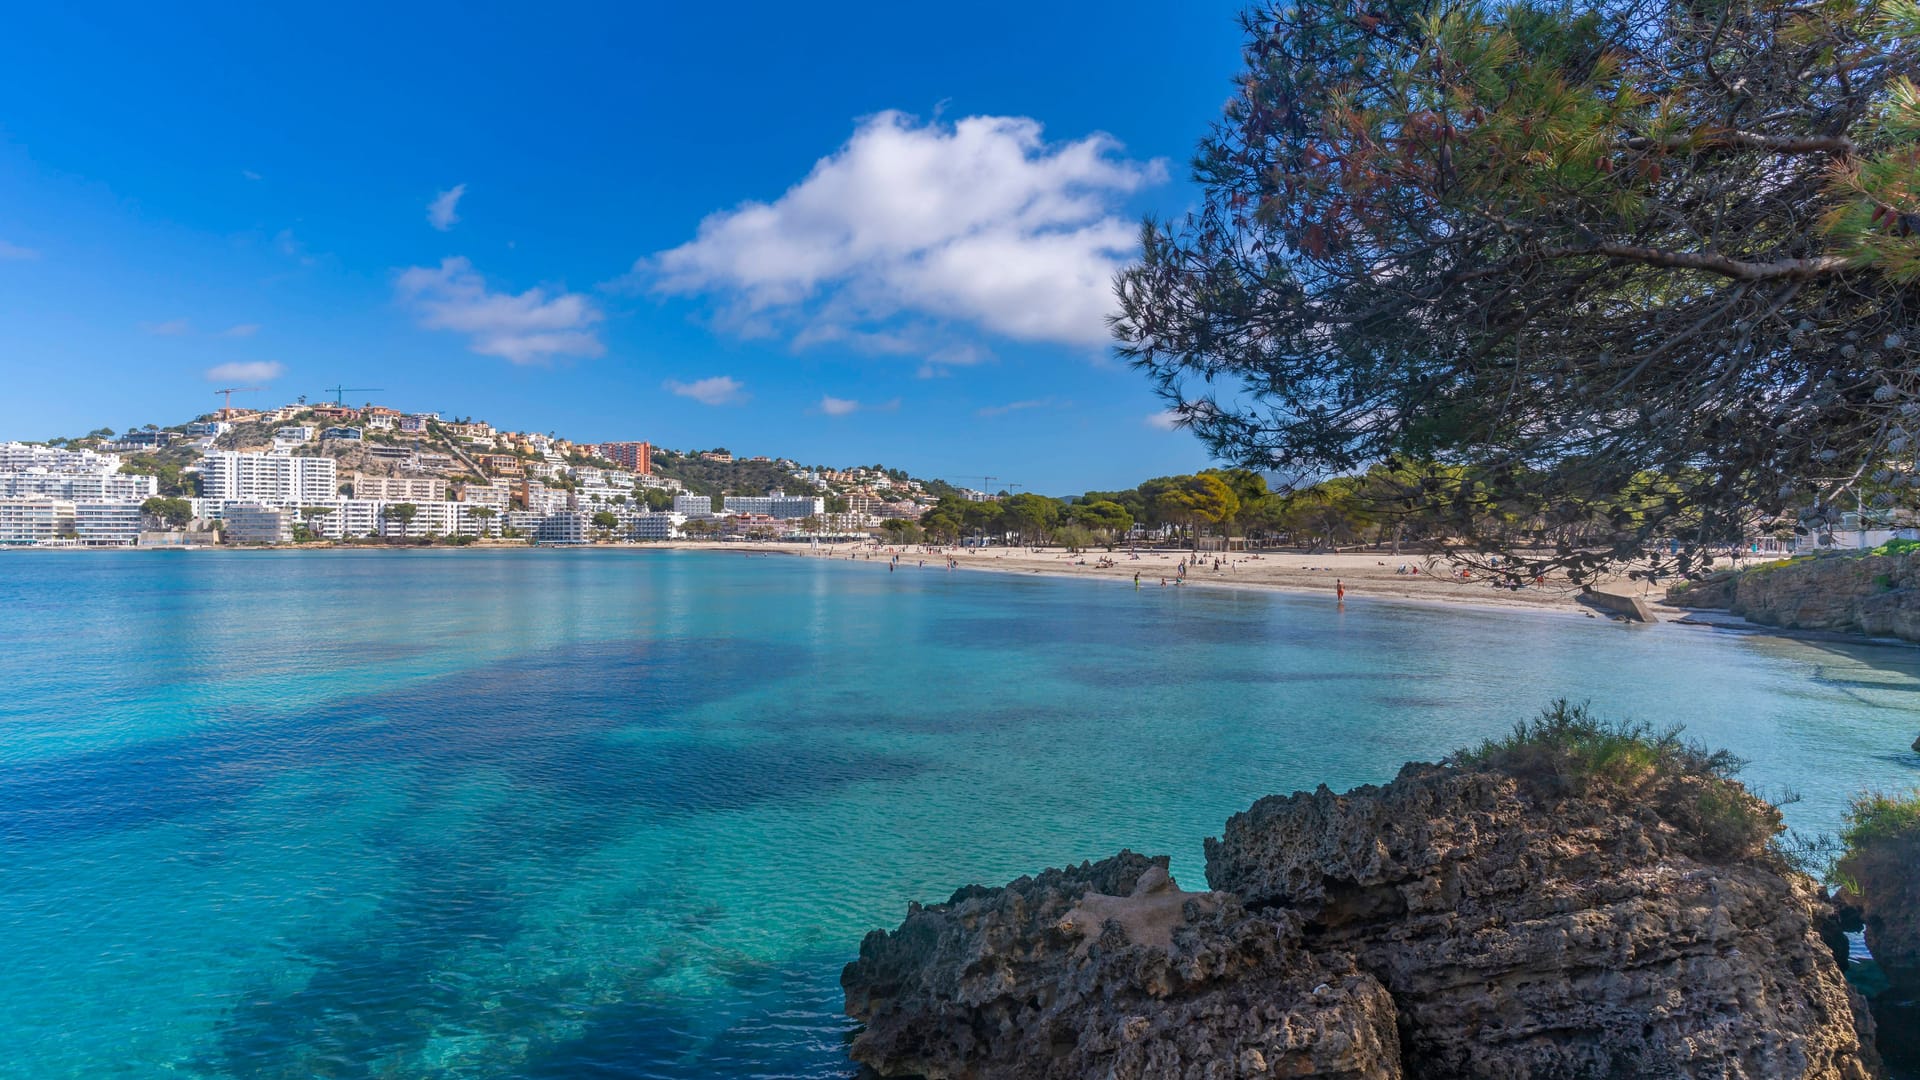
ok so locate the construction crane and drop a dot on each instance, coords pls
(340, 393)
(986, 483)
(227, 409)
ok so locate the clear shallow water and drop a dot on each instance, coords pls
(557, 814)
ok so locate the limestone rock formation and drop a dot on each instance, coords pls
(1524, 934)
(1108, 970)
(1877, 595)
(1454, 923)
(1885, 877)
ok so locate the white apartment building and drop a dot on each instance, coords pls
(665, 483)
(34, 519)
(477, 520)
(435, 519)
(79, 486)
(495, 496)
(545, 500)
(589, 476)
(292, 436)
(400, 488)
(774, 504)
(345, 518)
(693, 506)
(655, 526)
(269, 479)
(565, 527)
(107, 524)
(19, 457)
(253, 523)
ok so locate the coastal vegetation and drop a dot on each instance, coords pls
(1380, 506)
(1876, 820)
(1568, 752)
(1556, 252)
(172, 511)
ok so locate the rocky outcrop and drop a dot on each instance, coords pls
(1883, 874)
(1523, 934)
(1109, 970)
(1886, 878)
(1876, 595)
(1453, 923)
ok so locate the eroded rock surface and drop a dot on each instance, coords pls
(1108, 970)
(1450, 924)
(1877, 595)
(1563, 937)
(1886, 875)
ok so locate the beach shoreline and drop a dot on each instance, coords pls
(1364, 575)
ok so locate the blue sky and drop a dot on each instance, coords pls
(842, 233)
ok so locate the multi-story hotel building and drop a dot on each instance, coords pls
(774, 504)
(107, 524)
(693, 506)
(253, 523)
(34, 519)
(400, 488)
(271, 479)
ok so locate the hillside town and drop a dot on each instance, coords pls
(337, 473)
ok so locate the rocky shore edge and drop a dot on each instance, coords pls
(1872, 595)
(1579, 900)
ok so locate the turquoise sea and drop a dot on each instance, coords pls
(626, 813)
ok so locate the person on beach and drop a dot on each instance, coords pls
(1339, 590)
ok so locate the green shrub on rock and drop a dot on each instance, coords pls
(1569, 753)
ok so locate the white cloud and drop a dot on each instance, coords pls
(245, 329)
(713, 390)
(246, 371)
(250, 174)
(526, 328)
(834, 406)
(443, 211)
(981, 222)
(940, 361)
(1016, 406)
(1165, 420)
(15, 251)
(170, 328)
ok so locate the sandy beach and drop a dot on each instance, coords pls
(1363, 574)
